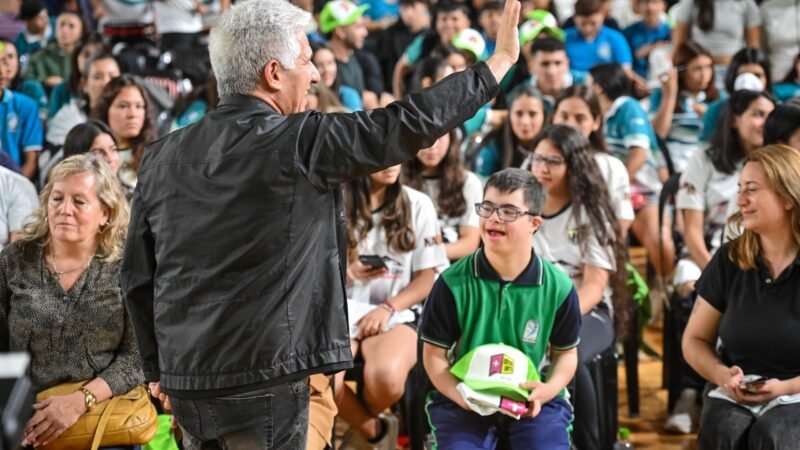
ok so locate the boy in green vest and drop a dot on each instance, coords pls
(503, 293)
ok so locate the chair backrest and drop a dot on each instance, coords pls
(667, 197)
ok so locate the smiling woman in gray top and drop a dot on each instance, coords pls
(60, 299)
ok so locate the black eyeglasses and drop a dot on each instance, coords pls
(551, 162)
(504, 213)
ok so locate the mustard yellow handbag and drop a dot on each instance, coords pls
(127, 419)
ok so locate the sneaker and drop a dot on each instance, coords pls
(685, 414)
(389, 439)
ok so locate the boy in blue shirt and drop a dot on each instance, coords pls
(21, 134)
(647, 34)
(503, 293)
(591, 43)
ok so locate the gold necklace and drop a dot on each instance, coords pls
(63, 272)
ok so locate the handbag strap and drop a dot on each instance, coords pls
(101, 425)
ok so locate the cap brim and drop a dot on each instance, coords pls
(558, 33)
(499, 389)
(354, 15)
(531, 35)
(329, 26)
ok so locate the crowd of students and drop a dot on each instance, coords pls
(545, 186)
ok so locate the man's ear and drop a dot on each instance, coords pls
(339, 33)
(536, 221)
(272, 75)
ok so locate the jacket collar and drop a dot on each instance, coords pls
(247, 101)
(8, 95)
(533, 275)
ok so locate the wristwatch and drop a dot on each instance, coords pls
(89, 399)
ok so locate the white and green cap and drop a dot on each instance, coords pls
(539, 20)
(470, 40)
(339, 13)
(496, 369)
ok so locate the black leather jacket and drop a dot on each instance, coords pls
(234, 266)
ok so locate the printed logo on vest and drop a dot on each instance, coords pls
(501, 364)
(13, 122)
(531, 332)
(572, 234)
(604, 51)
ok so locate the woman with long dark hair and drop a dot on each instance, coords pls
(709, 183)
(747, 60)
(99, 68)
(679, 105)
(71, 87)
(437, 171)
(509, 145)
(31, 88)
(579, 234)
(394, 251)
(93, 137)
(579, 108)
(704, 199)
(125, 107)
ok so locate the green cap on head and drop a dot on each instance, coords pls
(470, 40)
(339, 13)
(539, 20)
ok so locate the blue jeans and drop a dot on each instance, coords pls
(271, 418)
(455, 428)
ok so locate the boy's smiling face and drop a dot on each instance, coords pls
(507, 237)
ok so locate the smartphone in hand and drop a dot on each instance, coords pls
(752, 386)
(374, 261)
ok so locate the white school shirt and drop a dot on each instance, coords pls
(18, 199)
(428, 252)
(473, 193)
(704, 188)
(557, 242)
(615, 174)
(177, 16)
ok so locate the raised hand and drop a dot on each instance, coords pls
(506, 52)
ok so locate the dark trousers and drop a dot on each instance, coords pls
(455, 428)
(727, 426)
(269, 418)
(597, 335)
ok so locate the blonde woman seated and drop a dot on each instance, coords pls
(749, 300)
(60, 299)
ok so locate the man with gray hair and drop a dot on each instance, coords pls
(235, 263)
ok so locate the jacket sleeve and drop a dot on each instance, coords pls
(137, 283)
(333, 148)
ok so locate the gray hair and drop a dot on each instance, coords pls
(249, 35)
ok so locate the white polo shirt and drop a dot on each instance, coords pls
(18, 199)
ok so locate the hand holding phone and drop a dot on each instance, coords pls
(753, 385)
(374, 261)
